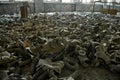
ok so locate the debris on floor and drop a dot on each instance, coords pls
(60, 47)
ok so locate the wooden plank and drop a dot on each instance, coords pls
(24, 12)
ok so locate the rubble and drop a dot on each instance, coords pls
(60, 47)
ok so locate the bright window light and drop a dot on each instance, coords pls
(109, 0)
(86, 1)
(67, 1)
(50, 0)
(47, 0)
(24, 0)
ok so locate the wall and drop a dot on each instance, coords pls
(11, 8)
(58, 7)
(53, 7)
(39, 6)
(67, 7)
(87, 7)
(8, 8)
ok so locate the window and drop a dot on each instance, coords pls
(51, 1)
(56, 0)
(86, 1)
(109, 0)
(67, 1)
(118, 1)
(113, 1)
(25, 0)
(47, 0)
